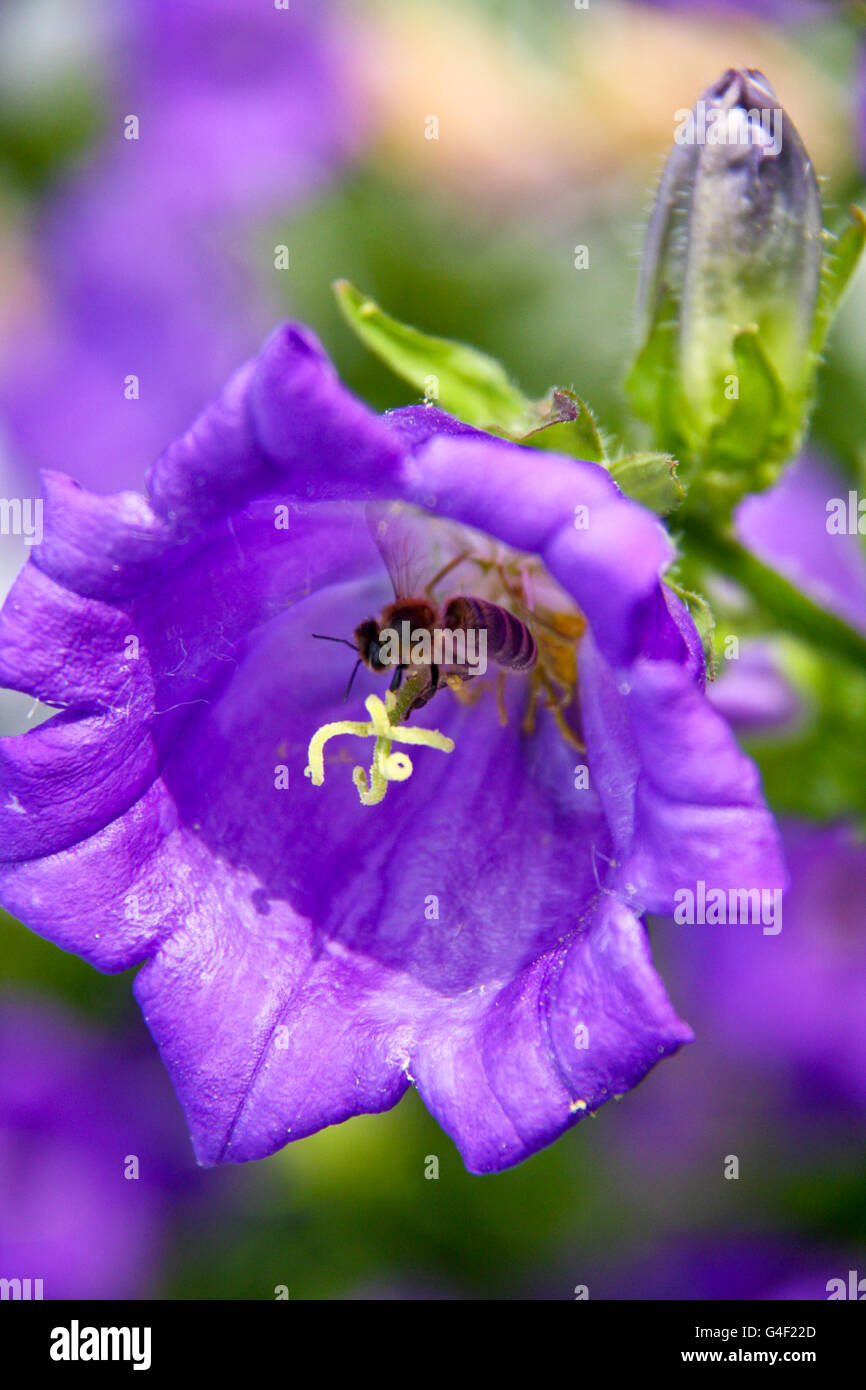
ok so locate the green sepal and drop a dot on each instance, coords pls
(704, 620)
(649, 478)
(567, 426)
(841, 258)
(651, 384)
(745, 453)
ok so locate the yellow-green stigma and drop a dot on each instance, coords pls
(384, 725)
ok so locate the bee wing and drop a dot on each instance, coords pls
(405, 548)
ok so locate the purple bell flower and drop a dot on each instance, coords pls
(306, 957)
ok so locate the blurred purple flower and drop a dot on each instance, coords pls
(780, 1022)
(292, 976)
(795, 1005)
(786, 527)
(775, 10)
(714, 1267)
(753, 694)
(241, 105)
(242, 109)
(75, 1109)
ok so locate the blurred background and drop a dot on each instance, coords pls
(176, 176)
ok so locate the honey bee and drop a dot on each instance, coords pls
(464, 632)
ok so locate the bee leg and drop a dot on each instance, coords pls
(396, 679)
(500, 698)
(434, 678)
(528, 724)
(557, 702)
(446, 569)
(466, 693)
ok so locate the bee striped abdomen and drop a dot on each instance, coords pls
(509, 641)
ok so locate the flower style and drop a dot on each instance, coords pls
(305, 957)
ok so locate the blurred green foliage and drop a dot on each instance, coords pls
(39, 141)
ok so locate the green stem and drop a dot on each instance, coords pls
(794, 611)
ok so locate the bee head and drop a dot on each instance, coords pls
(368, 644)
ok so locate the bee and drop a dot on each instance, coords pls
(503, 638)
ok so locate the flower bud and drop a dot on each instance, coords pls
(730, 277)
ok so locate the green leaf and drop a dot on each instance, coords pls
(464, 381)
(840, 261)
(651, 479)
(472, 385)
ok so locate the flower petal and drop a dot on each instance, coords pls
(684, 801)
(276, 413)
(568, 512)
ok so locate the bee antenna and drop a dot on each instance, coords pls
(324, 638)
(351, 679)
